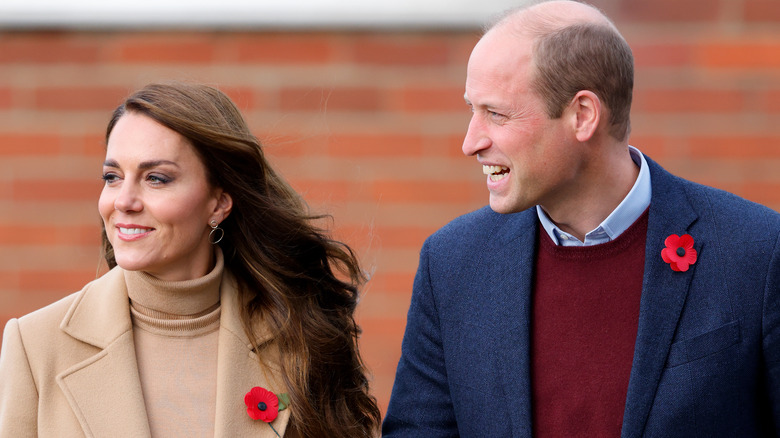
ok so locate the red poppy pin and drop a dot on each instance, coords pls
(262, 404)
(679, 252)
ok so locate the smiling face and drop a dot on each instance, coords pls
(157, 202)
(526, 155)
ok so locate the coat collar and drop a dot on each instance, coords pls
(108, 383)
(663, 295)
(514, 263)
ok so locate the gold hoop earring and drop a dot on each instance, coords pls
(215, 231)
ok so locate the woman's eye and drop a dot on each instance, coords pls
(109, 177)
(158, 179)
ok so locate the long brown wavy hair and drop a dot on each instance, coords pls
(301, 282)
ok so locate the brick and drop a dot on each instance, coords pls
(9, 279)
(407, 236)
(23, 234)
(771, 101)
(661, 55)
(735, 147)
(288, 145)
(375, 145)
(322, 99)
(376, 141)
(652, 145)
(16, 303)
(429, 99)
(763, 192)
(392, 282)
(452, 145)
(689, 100)
(167, 49)
(20, 144)
(284, 48)
(762, 10)
(667, 10)
(55, 280)
(747, 54)
(56, 190)
(89, 144)
(245, 98)
(401, 50)
(6, 96)
(322, 191)
(380, 346)
(423, 191)
(6, 189)
(80, 98)
(384, 236)
(48, 48)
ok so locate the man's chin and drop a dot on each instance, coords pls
(502, 205)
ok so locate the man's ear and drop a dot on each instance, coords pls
(587, 112)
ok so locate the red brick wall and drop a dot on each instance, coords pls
(367, 125)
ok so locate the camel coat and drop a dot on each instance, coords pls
(69, 369)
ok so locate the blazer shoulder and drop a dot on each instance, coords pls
(734, 215)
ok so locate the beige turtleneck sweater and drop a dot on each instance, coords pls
(175, 329)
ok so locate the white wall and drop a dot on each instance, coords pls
(249, 13)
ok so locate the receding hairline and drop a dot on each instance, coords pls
(538, 18)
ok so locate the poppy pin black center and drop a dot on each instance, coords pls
(681, 251)
(262, 406)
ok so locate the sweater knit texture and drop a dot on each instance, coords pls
(175, 330)
(584, 324)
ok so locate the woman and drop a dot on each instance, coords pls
(227, 312)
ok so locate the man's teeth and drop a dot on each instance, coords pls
(496, 172)
(133, 230)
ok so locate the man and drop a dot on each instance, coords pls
(598, 295)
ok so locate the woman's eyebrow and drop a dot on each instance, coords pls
(144, 165)
(154, 163)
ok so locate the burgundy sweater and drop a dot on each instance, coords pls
(584, 323)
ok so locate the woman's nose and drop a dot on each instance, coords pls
(128, 198)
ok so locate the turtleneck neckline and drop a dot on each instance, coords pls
(175, 299)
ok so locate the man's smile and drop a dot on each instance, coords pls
(496, 173)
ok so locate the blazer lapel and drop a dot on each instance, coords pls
(104, 390)
(239, 370)
(663, 296)
(515, 289)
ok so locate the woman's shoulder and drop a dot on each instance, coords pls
(50, 317)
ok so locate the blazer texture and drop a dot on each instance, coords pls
(707, 354)
(69, 369)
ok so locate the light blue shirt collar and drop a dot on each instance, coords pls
(633, 205)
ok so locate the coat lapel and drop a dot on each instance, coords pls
(514, 346)
(104, 390)
(663, 296)
(239, 370)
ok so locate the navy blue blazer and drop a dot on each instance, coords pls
(707, 354)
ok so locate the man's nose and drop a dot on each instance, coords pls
(476, 138)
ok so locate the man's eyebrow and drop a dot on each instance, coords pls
(144, 165)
